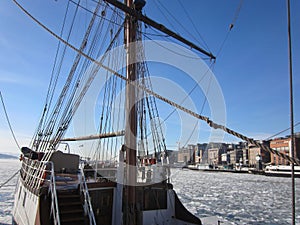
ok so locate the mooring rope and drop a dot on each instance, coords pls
(9, 179)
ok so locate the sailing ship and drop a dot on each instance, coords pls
(127, 181)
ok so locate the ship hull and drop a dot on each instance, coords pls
(172, 212)
(282, 174)
(282, 171)
(26, 206)
(48, 194)
(158, 202)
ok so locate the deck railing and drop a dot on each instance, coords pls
(52, 191)
(34, 174)
(88, 209)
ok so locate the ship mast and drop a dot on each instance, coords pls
(132, 9)
(130, 209)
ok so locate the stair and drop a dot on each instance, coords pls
(70, 208)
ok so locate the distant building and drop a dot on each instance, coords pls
(237, 153)
(225, 158)
(186, 154)
(213, 156)
(246, 155)
(257, 154)
(214, 153)
(235, 156)
(283, 145)
(201, 153)
(232, 155)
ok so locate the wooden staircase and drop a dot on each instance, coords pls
(71, 208)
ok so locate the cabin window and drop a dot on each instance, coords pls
(155, 199)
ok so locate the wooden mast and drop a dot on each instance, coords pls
(130, 208)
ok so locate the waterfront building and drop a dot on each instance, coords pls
(238, 154)
(258, 155)
(284, 145)
(214, 153)
(201, 153)
(186, 154)
(213, 156)
(245, 155)
(235, 156)
(225, 159)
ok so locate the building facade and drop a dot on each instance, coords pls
(283, 145)
(201, 153)
(257, 155)
(187, 154)
(238, 154)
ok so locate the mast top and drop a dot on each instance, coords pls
(139, 16)
(139, 4)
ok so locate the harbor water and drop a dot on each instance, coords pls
(231, 198)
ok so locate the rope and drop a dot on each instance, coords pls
(251, 141)
(202, 108)
(51, 86)
(90, 11)
(193, 24)
(196, 115)
(164, 15)
(9, 124)
(280, 132)
(236, 15)
(40, 140)
(9, 179)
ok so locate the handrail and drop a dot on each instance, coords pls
(54, 202)
(33, 173)
(88, 209)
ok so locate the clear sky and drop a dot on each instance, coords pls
(251, 68)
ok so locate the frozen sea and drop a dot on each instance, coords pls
(7, 168)
(231, 198)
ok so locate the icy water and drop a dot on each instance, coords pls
(7, 168)
(232, 198)
(237, 198)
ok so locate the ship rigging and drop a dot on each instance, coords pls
(128, 181)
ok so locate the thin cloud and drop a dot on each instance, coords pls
(7, 144)
(7, 77)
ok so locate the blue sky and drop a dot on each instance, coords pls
(252, 68)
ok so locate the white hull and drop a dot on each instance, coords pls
(26, 206)
(282, 171)
(200, 167)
